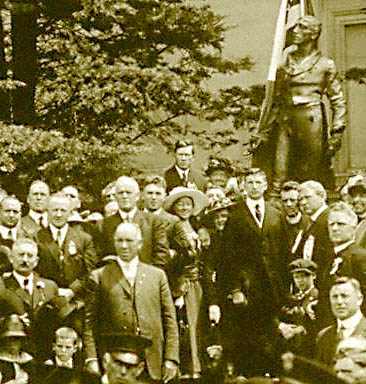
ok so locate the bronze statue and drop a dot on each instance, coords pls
(298, 125)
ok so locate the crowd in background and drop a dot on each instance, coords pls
(221, 280)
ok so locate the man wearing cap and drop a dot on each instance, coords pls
(297, 324)
(345, 301)
(357, 193)
(124, 358)
(129, 296)
(181, 174)
(155, 245)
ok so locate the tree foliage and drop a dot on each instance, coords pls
(116, 72)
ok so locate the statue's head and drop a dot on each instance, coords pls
(311, 24)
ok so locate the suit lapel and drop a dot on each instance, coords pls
(140, 278)
(360, 330)
(46, 238)
(251, 220)
(13, 285)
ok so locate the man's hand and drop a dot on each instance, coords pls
(170, 370)
(66, 292)
(92, 366)
(214, 314)
(288, 331)
(239, 298)
(334, 144)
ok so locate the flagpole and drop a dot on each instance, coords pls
(276, 58)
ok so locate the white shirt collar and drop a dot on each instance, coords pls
(342, 247)
(67, 364)
(36, 215)
(351, 323)
(54, 230)
(129, 215)
(252, 204)
(129, 269)
(20, 279)
(5, 232)
(182, 172)
(316, 214)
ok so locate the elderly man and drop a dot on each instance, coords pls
(315, 243)
(345, 300)
(155, 247)
(124, 358)
(135, 298)
(350, 360)
(295, 221)
(34, 291)
(67, 253)
(37, 199)
(10, 228)
(181, 174)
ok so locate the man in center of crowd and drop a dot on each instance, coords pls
(136, 299)
(155, 246)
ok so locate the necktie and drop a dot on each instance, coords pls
(26, 285)
(185, 178)
(341, 332)
(258, 213)
(10, 234)
(59, 238)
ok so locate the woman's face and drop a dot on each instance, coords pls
(183, 207)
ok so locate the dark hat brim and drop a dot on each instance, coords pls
(120, 342)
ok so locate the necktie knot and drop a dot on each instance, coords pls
(258, 212)
(341, 332)
(26, 286)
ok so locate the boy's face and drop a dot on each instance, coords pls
(64, 348)
(303, 280)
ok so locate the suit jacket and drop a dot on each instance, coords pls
(173, 179)
(260, 252)
(155, 247)
(327, 341)
(29, 225)
(152, 305)
(361, 233)
(70, 265)
(323, 248)
(44, 290)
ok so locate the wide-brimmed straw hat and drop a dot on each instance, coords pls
(218, 205)
(200, 200)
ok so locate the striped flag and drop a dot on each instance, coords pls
(289, 12)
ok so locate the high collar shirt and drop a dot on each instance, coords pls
(39, 218)
(127, 217)
(20, 279)
(349, 325)
(8, 233)
(183, 173)
(55, 231)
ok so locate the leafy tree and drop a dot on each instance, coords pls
(116, 72)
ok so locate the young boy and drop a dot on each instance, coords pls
(298, 316)
(65, 347)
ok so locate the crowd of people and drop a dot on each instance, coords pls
(189, 277)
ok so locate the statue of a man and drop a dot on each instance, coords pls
(303, 139)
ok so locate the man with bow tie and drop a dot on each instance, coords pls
(67, 253)
(38, 195)
(33, 290)
(129, 296)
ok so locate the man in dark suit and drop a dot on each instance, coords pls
(345, 300)
(37, 199)
(34, 291)
(315, 243)
(181, 174)
(66, 252)
(155, 247)
(255, 267)
(11, 228)
(135, 298)
(153, 195)
(295, 221)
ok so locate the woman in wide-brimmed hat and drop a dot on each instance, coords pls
(185, 274)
